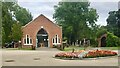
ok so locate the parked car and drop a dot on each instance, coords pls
(9, 45)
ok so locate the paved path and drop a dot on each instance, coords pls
(45, 58)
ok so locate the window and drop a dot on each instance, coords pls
(27, 40)
(56, 40)
(53, 40)
(30, 41)
(27, 36)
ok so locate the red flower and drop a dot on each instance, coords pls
(92, 53)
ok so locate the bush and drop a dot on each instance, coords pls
(112, 40)
(60, 47)
(93, 42)
(101, 32)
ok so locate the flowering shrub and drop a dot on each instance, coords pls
(68, 54)
(99, 53)
(90, 54)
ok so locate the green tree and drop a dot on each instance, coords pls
(7, 20)
(77, 19)
(112, 40)
(0, 24)
(101, 31)
(22, 15)
(3, 36)
(12, 12)
(16, 32)
(113, 22)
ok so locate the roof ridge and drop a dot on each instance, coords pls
(37, 18)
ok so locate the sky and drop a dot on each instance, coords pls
(47, 8)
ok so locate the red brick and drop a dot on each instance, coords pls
(34, 26)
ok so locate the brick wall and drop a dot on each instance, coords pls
(34, 26)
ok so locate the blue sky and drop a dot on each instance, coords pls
(47, 8)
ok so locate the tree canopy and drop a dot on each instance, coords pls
(77, 19)
(22, 15)
(113, 22)
(16, 31)
(7, 19)
(11, 14)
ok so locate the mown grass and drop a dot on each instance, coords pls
(110, 48)
(70, 48)
(24, 48)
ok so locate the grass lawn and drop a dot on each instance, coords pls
(70, 48)
(24, 49)
(110, 48)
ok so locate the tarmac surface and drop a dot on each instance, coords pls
(44, 57)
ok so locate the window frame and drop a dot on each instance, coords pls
(27, 40)
(56, 42)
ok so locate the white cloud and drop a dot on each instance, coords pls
(47, 8)
(67, 0)
(103, 8)
(39, 0)
(104, 0)
(38, 8)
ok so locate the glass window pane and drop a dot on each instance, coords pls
(31, 41)
(27, 40)
(56, 38)
(53, 40)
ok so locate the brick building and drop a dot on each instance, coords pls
(41, 32)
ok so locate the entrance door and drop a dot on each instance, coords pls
(42, 38)
(103, 42)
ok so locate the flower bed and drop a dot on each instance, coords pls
(99, 53)
(68, 55)
(89, 54)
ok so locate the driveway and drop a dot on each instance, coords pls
(45, 58)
